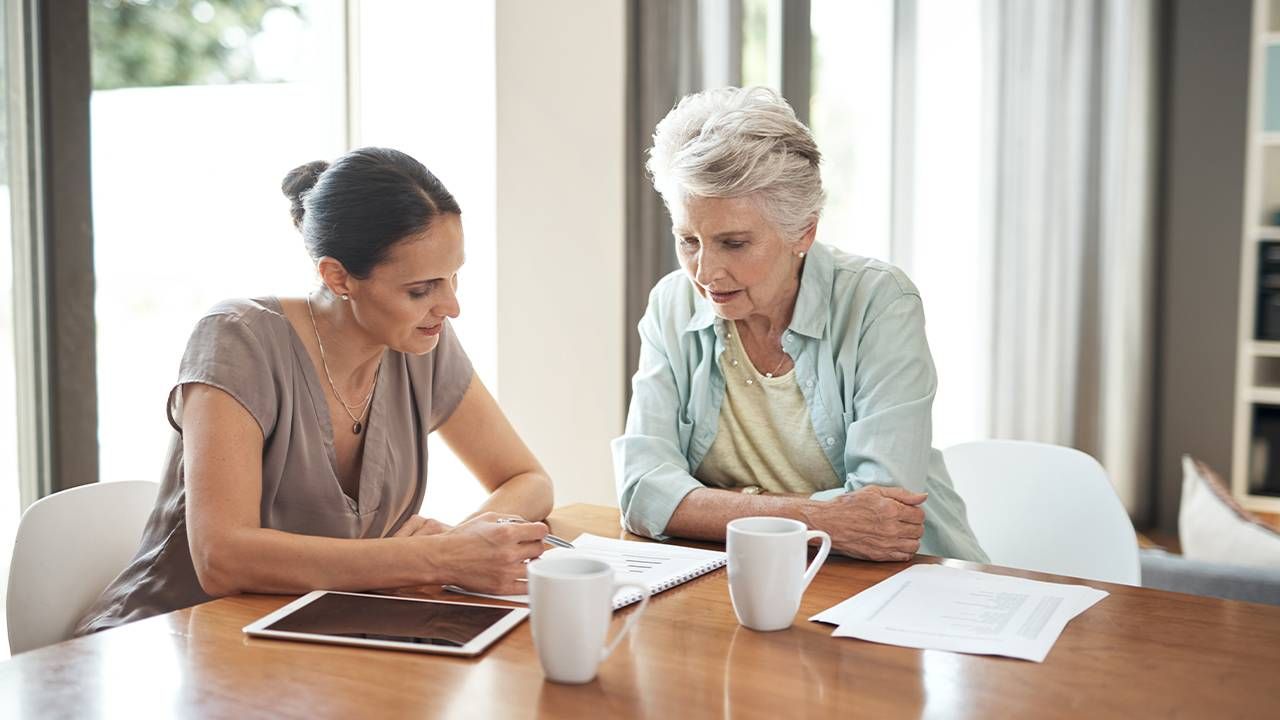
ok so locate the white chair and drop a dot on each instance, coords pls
(1045, 507)
(69, 547)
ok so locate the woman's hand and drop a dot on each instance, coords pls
(489, 557)
(874, 523)
(418, 525)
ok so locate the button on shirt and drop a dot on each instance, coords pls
(862, 362)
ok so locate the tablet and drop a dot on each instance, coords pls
(396, 623)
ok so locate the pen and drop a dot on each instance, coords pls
(548, 539)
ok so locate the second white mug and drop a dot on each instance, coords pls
(570, 605)
(767, 574)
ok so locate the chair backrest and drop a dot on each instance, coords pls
(69, 547)
(1045, 507)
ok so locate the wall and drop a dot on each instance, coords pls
(1206, 99)
(560, 224)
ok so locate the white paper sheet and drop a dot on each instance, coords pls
(935, 607)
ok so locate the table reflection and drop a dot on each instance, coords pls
(755, 658)
(142, 671)
(944, 675)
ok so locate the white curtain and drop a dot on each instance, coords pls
(1069, 205)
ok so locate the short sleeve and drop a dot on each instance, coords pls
(451, 373)
(225, 352)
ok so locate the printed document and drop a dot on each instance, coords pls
(935, 607)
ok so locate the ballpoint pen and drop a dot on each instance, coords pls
(548, 538)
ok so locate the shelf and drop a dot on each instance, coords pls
(1257, 399)
(1264, 395)
(1260, 503)
(1270, 86)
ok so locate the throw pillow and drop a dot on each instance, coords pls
(1213, 527)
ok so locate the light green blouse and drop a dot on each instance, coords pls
(862, 362)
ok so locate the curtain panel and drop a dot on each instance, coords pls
(1070, 180)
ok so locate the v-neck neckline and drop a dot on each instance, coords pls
(374, 427)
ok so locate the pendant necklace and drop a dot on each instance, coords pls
(357, 425)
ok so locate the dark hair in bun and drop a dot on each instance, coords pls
(366, 201)
(297, 183)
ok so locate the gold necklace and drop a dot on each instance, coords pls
(356, 424)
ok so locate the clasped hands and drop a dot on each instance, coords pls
(872, 523)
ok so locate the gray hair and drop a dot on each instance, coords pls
(733, 142)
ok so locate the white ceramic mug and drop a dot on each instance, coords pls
(571, 604)
(767, 575)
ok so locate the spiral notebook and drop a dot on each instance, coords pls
(656, 565)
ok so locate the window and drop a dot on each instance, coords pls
(195, 121)
(10, 503)
(869, 59)
(427, 87)
(851, 114)
(948, 249)
(762, 43)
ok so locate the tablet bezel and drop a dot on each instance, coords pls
(477, 645)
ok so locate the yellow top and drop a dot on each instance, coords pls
(765, 438)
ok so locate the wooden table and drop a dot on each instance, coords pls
(1138, 653)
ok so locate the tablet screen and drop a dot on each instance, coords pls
(371, 617)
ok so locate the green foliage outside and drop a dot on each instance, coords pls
(149, 43)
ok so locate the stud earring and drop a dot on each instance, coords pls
(345, 296)
(800, 255)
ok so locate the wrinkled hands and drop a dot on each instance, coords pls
(873, 523)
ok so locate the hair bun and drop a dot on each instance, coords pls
(297, 183)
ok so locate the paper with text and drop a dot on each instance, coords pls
(935, 607)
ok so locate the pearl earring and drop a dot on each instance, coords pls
(345, 296)
(801, 255)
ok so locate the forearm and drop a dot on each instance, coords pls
(272, 561)
(703, 513)
(528, 495)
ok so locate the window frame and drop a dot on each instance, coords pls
(53, 284)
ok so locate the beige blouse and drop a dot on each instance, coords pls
(249, 349)
(765, 438)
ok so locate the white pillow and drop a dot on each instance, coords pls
(1213, 527)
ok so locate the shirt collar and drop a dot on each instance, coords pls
(813, 303)
(703, 315)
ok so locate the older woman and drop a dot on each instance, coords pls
(778, 376)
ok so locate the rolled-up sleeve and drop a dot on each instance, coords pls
(890, 434)
(650, 469)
